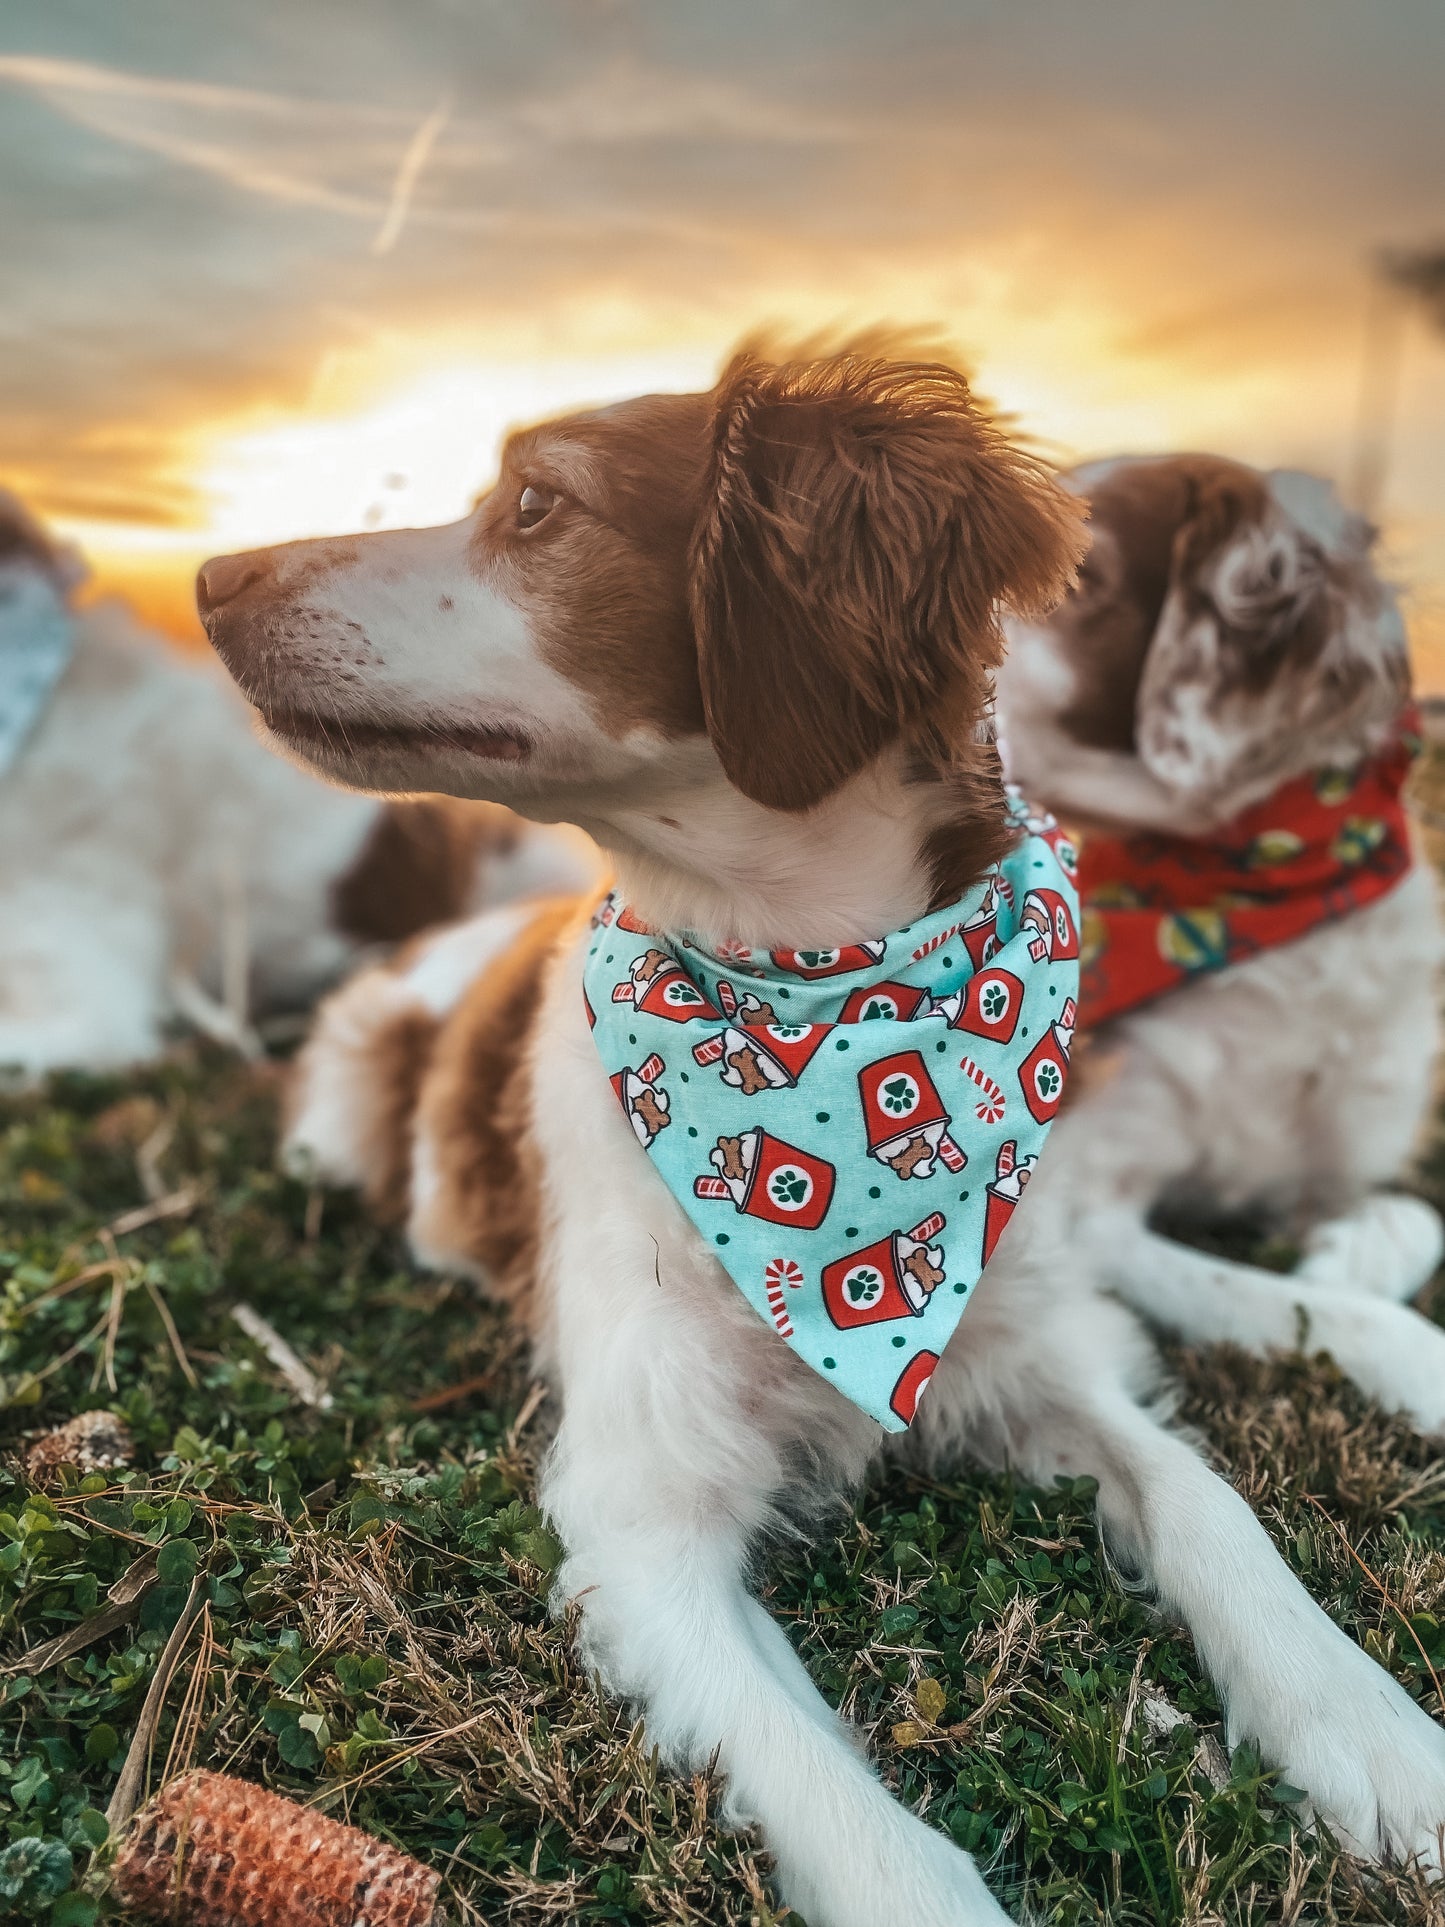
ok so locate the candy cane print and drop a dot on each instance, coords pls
(990, 1107)
(727, 997)
(936, 943)
(781, 1272)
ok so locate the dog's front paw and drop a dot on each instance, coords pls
(1373, 1765)
(915, 1875)
(1391, 1247)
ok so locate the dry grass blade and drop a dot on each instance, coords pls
(164, 1311)
(1384, 1591)
(126, 1797)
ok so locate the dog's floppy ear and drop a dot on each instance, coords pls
(1248, 602)
(863, 525)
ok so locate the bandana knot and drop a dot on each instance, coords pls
(1161, 910)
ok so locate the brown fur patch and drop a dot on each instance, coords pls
(475, 1112)
(603, 576)
(400, 1056)
(865, 520)
(418, 867)
(1154, 523)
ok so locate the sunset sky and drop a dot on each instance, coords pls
(291, 267)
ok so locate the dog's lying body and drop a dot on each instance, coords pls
(746, 639)
(1292, 1083)
(144, 832)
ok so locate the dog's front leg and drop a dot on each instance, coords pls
(1323, 1714)
(666, 1467)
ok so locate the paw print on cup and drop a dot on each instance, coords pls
(766, 1178)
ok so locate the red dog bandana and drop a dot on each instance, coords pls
(1160, 910)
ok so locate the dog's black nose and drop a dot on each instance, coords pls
(223, 578)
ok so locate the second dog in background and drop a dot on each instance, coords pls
(1219, 705)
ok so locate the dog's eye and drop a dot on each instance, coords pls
(535, 506)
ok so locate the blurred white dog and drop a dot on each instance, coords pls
(157, 862)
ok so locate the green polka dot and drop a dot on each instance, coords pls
(948, 963)
(692, 1130)
(823, 1116)
(850, 1231)
(609, 956)
(830, 1364)
(782, 992)
(899, 1343)
(942, 1046)
(1025, 1031)
(960, 1289)
(723, 1238)
(684, 1076)
(842, 1044)
(1053, 990)
(632, 1037)
(1038, 863)
(874, 1192)
(962, 1196)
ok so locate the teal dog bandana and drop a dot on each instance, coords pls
(851, 1129)
(36, 639)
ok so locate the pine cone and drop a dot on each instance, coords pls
(210, 1851)
(93, 1442)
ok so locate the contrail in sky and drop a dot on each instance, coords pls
(408, 173)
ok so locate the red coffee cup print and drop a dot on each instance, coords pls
(1044, 1072)
(980, 938)
(828, 963)
(1011, 1174)
(644, 1103)
(1048, 915)
(904, 1117)
(766, 1178)
(762, 1057)
(988, 1006)
(1065, 850)
(662, 988)
(902, 1002)
(912, 1382)
(894, 1277)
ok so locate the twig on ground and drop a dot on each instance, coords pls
(454, 1394)
(149, 1153)
(122, 1599)
(126, 1797)
(298, 1375)
(175, 1204)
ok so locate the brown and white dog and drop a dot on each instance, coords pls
(746, 638)
(154, 855)
(1228, 633)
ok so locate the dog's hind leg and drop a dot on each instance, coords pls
(1390, 1247)
(1395, 1356)
(1323, 1714)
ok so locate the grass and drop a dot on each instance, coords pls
(372, 1633)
